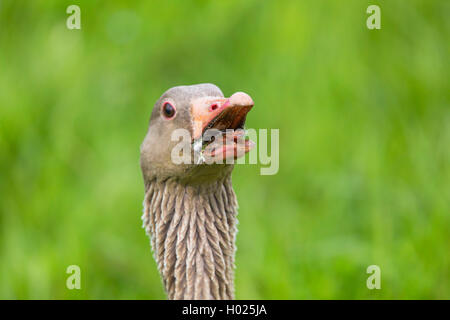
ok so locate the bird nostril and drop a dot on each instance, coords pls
(214, 107)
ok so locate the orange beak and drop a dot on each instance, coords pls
(206, 109)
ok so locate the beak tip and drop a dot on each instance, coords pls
(241, 99)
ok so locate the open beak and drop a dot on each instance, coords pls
(231, 111)
(226, 116)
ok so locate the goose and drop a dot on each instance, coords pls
(190, 207)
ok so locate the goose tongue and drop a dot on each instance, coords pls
(229, 144)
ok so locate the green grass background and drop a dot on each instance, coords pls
(364, 119)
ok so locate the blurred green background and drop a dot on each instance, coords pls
(364, 119)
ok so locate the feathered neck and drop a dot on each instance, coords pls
(192, 230)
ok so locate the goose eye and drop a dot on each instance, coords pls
(168, 110)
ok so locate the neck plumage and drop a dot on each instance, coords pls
(192, 231)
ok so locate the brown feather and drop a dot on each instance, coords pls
(192, 230)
